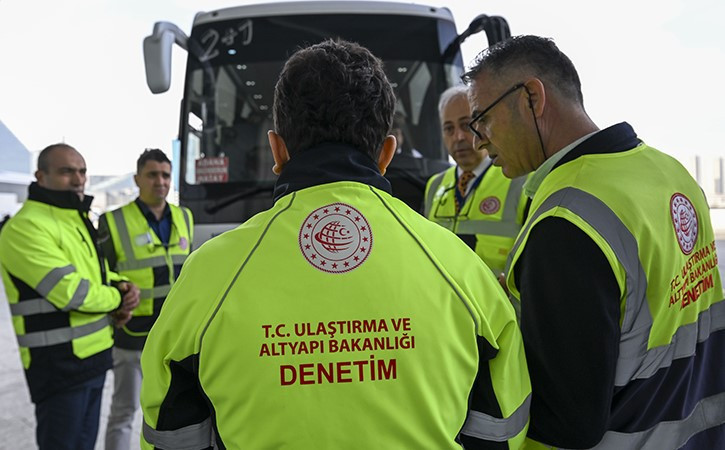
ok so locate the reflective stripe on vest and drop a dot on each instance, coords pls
(123, 235)
(506, 227)
(709, 412)
(32, 306)
(194, 436)
(489, 227)
(683, 342)
(131, 262)
(79, 296)
(434, 184)
(47, 284)
(53, 278)
(156, 291)
(187, 220)
(41, 305)
(61, 335)
(634, 360)
(155, 261)
(483, 426)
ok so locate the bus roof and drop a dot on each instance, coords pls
(323, 7)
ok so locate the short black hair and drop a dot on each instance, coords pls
(151, 154)
(45, 154)
(537, 54)
(334, 91)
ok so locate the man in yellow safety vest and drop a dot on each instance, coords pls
(622, 309)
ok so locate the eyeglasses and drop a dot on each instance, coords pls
(474, 123)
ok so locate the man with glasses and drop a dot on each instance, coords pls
(147, 241)
(615, 268)
(473, 199)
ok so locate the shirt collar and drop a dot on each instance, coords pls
(485, 162)
(534, 181)
(148, 214)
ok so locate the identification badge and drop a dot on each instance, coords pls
(143, 239)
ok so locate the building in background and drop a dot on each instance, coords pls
(111, 192)
(13, 154)
(16, 172)
(709, 171)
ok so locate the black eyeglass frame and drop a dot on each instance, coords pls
(479, 116)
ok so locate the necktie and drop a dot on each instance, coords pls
(463, 181)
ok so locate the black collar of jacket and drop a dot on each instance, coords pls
(617, 138)
(328, 163)
(148, 214)
(59, 199)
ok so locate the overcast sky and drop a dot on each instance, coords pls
(73, 70)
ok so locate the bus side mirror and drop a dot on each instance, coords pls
(157, 54)
(496, 28)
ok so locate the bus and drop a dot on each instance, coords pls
(234, 58)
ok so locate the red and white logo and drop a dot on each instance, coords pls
(684, 218)
(490, 205)
(335, 238)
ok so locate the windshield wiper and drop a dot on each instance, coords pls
(223, 203)
(413, 177)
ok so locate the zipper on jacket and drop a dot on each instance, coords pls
(88, 246)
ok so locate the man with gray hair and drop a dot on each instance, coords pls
(473, 199)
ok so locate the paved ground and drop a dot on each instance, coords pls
(17, 419)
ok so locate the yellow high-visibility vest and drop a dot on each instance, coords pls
(139, 256)
(493, 212)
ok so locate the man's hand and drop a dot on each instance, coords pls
(120, 318)
(130, 297)
(502, 281)
(129, 300)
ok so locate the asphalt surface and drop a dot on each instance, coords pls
(17, 416)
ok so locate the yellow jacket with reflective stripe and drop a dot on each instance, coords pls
(385, 355)
(59, 305)
(138, 251)
(653, 225)
(492, 213)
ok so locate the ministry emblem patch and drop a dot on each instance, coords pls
(335, 238)
(684, 219)
(490, 205)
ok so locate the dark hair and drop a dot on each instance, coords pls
(334, 91)
(45, 154)
(151, 154)
(538, 55)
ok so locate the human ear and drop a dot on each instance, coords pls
(386, 153)
(279, 151)
(536, 92)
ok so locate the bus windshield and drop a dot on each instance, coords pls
(233, 67)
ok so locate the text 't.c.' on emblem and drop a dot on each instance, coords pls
(684, 219)
(335, 238)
